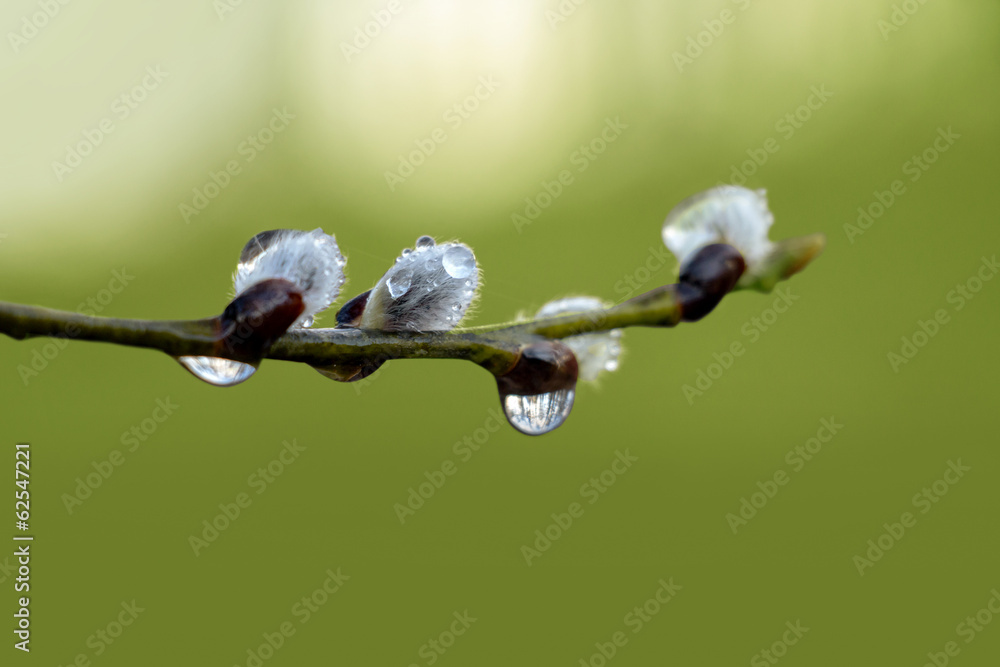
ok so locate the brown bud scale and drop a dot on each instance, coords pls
(707, 277)
(540, 368)
(259, 316)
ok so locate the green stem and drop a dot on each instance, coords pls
(495, 347)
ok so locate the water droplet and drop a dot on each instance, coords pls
(217, 371)
(407, 251)
(258, 245)
(459, 262)
(420, 299)
(348, 373)
(535, 415)
(399, 283)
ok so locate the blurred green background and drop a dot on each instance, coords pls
(826, 105)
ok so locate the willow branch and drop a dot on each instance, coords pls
(495, 347)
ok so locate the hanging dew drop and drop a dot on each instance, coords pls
(217, 371)
(538, 414)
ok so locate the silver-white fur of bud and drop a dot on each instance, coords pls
(310, 260)
(726, 214)
(429, 288)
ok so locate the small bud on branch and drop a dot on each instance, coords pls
(286, 277)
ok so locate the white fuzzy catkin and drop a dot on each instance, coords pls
(595, 352)
(726, 214)
(310, 260)
(429, 288)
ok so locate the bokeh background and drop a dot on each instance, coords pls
(824, 104)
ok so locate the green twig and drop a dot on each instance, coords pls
(495, 347)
